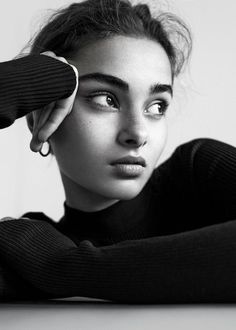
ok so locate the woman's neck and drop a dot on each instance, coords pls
(83, 199)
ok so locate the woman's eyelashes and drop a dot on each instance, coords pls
(158, 108)
(102, 99)
(108, 102)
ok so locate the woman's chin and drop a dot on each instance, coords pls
(124, 192)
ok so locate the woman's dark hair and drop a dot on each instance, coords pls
(72, 27)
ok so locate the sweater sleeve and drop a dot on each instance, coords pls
(188, 267)
(13, 287)
(31, 82)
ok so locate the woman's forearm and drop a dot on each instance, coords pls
(31, 82)
(13, 287)
(192, 266)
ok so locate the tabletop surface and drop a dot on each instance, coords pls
(86, 314)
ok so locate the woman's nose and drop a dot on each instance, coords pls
(133, 133)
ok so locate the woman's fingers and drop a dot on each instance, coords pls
(54, 120)
(40, 117)
(62, 109)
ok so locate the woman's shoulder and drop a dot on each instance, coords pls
(203, 153)
(198, 144)
(203, 147)
(191, 159)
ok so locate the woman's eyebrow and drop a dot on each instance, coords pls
(123, 85)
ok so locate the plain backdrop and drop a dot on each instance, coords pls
(204, 103)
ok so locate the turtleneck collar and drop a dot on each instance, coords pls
(116, 220)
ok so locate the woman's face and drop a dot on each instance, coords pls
(124, 86)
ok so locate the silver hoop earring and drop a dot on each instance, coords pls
(48, 152)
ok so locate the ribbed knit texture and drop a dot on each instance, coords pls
(173, 243)
(29, 85)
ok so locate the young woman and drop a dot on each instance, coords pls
(131, 232)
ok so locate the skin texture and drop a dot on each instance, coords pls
(104, 128)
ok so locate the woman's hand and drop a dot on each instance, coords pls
(48, 119)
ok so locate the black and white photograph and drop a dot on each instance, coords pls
(118, 165)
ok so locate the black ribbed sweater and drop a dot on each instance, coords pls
(174, 243)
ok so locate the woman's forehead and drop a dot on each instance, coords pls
(125, 57)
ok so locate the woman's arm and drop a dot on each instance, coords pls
(13, 287)
(31, 82)
(26, 84)
(192, 266)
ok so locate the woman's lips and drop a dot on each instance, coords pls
(130, 160)
(129, 166)
(128, 170)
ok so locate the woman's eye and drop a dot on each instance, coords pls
(158, 108)
(103, 100)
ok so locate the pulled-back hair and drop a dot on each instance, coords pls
(72, 27)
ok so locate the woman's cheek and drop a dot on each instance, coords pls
(158, 140)
(89, 130)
